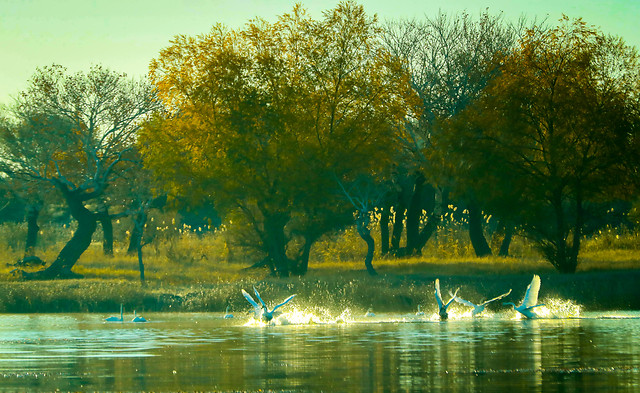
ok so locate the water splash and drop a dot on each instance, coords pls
(344, 317)
(559, 308)
(553, 308)
(303, 317)
(556, 308)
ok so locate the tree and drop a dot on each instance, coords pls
(143, 200)
(553, 132)
(262, 120)
(450, 60)
(76, 133)
(365, 194)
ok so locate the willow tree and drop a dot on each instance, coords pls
(263, 120)
(75, 133)
(553, 131)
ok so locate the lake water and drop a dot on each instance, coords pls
(305, 352)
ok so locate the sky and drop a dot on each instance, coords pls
(124, 35)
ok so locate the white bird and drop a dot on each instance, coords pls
(530, 299)
(227, 315)
(369, 313)
(442, 308)
(116, 319)
(478, 308)
(137, 318)
(261, 311)
(419, 313)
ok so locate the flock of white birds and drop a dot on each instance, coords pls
(262, 312)
(526, 307)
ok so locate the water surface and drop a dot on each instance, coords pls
(387, 353)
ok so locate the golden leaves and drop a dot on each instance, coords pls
(270, 102)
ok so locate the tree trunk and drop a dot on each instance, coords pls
(506, 242)
(476, 233)
(398, 222)
(427, 231)
(136, 234)
(554, 246)
(414, 212)
(365, 234)
(77, 245)
(276, 243)
(577, 234)
(141, 264)
(107, 229)
(33, 211)
(139, 223)
(384, 230)
(431, 206)
(301, 265)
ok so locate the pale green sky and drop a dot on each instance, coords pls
(126, 35)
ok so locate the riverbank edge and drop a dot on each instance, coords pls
(593, 291)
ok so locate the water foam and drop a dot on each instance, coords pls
(304, 317)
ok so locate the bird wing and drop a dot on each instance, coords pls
(250, 299)
(259, 298)
(438, 296)
(453, 297)
(465, 302)
(283, 303)
(496, 298)
(531, 296)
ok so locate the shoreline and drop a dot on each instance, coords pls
(402, 292)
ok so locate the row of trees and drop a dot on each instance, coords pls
(291, 126)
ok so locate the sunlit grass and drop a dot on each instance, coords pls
(201, 272)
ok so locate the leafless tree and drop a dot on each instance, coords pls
(451, 60)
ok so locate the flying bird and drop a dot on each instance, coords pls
(442, 308)
(260, 310)
(530, 299)
(478, 308)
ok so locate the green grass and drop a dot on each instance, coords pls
(189, 272)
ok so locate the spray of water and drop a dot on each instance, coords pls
(304, 317)
(559, 308)
(553, 308)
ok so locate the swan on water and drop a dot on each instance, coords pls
(530, 299)
(261, 311)
(419, 313)
(137, 318)
(228, 315)
(478, 308)
(369, 313)
(442, 308)
(116, 319)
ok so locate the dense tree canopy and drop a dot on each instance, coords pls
(266, 121)
(295, 128)
(552, 132)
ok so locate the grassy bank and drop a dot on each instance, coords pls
(397, 288)
(200, 273)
